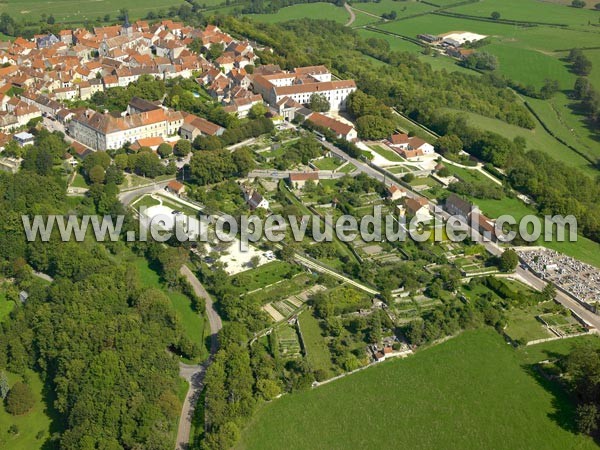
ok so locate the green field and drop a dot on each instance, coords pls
(523, 325)
(471, 392)
(361, 19)
(6, 306)
(79, 182)
(553, 349)
(403, 9)
(305, 10)
(594, 56)
(79, 11)
(530, 67)
(34, 427)
(327, 163)
(262, 276)
(387, 153)
(565, 123)
(541, 38)
(529, 10)
(317, 352)
(396, 44)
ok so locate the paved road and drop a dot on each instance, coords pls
(214, 319)
(127, 197)
(366, 169)
(194, 374)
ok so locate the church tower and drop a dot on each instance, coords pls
(127, 28)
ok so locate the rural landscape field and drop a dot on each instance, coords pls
(267, 224)
(439, 398)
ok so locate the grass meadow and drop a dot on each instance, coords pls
(529, 10)
(471, 392)
(403, 9)
(317, 352)
(79, 11)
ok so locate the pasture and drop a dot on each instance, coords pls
(471, 392)
(560, 115)
(75, 11)
(529, 10)
(530, 67)
(403, 9)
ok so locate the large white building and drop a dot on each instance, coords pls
(301, 84)
(104, 131)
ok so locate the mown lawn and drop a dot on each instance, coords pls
(79, 182)
(33, 427)
(327, 163)
(471, 392)
(348, 168)
(262, 276)
(146, 201)
(386, 153)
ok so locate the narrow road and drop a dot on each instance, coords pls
(214, 319)
(195, 374)
(352, 15)
(127, 197)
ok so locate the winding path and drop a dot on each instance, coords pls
(352, 15)
(194, 374)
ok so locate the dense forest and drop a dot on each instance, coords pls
(98, 337)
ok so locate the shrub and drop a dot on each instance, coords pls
(19, 400)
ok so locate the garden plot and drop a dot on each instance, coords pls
(288, 342)
(471, 264)
(561, 325)
(281, 309)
